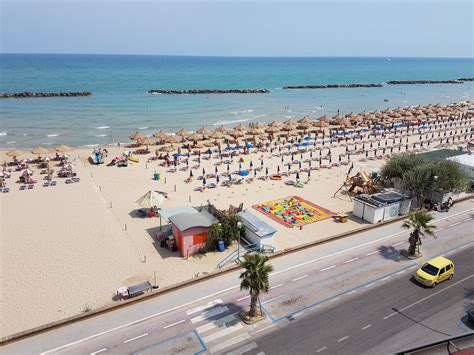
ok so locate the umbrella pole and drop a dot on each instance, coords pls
(160, 222)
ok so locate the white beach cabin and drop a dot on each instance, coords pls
(257, 231)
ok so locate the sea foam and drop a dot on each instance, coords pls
(241, 112)
(52, 135)
(3, 133)
(225, 122)
(103, 127)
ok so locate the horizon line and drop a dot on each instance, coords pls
(231, 56)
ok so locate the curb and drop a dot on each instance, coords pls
(167, 289)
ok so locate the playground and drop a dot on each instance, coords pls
(293, 211)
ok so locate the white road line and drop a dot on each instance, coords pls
(228, 343)
(368, 285)
(328, 268)
(299, 278)
(390, 315)
(401, 272)
(343, 338)
(397, 244)
(98, 351)
(222, 333)
(414, 267)
(351, 292)
(374, 252)
(385, 278)
(333, 299)
(434, 294)
(454, 224)
(276, 286)
(263, 329)
(138, 337)
(170, 325)
(438, 230)
(463, 246)
(321, 349)
(314, 307)
(202, 308)
(216, 323)
(242, 298)
(468, 219)
(367, 326)
(209, 314)
(351, 260)
(231, 288)
(296, 315)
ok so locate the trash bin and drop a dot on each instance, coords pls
(156, 176)
(221, 246)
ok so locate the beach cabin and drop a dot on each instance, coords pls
(190, 227)
(257, 231)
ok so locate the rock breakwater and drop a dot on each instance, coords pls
(332, 86)
(26, 94)
(209, 91)
(414, 82)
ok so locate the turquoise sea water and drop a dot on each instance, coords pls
(120, 105)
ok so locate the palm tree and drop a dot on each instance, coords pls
(255, 278)
(419, 222)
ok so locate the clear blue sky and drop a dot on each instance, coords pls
(415, 28)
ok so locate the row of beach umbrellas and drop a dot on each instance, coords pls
(38, 151)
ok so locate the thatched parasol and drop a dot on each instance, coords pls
(204, 132)
(195, 137)
(147, 141)
(172, 139)
(161, 135)
(254, 131)
(62, 148)
(217, 135)
(14, 153)
(136, 136)
(39, 151)
(221, 129)
(289, 127)
(183, 133)
(289, 122)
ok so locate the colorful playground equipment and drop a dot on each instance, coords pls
(293, 211)
(359, 183)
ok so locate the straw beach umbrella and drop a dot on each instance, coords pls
(14, 153)
(39, 151)
(195, 137)
(221, 129)
(217, 135)
(146, 141)
(204, 132)
(183, 133)
(241, 128)
(172, 139)
(160, 135)
(136, 136)
(63, 148)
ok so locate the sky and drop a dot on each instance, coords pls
(403, 28)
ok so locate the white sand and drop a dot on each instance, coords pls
(64, 248)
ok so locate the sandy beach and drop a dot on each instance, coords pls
(67, 248)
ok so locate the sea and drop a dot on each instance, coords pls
(121, 106)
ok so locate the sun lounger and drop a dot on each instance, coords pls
(5, 190)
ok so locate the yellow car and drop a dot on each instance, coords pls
(435, 271)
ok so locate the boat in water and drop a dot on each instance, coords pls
(97, 156)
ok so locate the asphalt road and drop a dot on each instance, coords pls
(360, 324)
(351, 274)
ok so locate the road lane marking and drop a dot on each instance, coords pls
(243, 298)
(135, 338)
(203, 307)
(385, 278)
(367, 326)
(216, 323)
(454, 224)
(314, 307)
(296, 315)
(401, 272)
(173, 324)
(351, 292)
(343, 338)
(98, 351)
(374, 252)
(434, 294)
(274, 287)
(351, 260)
(228, 343)
(371, 284)
(328, 268)
(231, 288)
(463, 246)
(390, 315)
(321, 349)
(468, 219)
(438, 230)
(299, 278)
(265, 328)
(413, 267)
(222, 333)
(397, 244)
(209, 314)
(333, 299)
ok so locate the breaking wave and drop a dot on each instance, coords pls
(3, 133)
(103, 127)
(225, 122)
(241, 112)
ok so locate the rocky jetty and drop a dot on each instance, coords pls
(209, 91)
(332, 86)
(413, 82)
(466, 79)
(22, 95)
